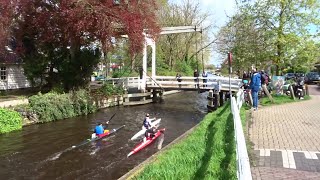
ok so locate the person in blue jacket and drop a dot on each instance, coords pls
(99, 129)
(255, 86)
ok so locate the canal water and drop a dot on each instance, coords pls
(41, 151)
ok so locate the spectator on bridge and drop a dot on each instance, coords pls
(196, 80)
(178, 77)
(255, 86)
(245, 76)
(204, 75)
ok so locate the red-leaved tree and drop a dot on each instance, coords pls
(56, 33)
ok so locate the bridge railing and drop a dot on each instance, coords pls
(208, 82)
(243, 164)
(163, 81)
(125, 82)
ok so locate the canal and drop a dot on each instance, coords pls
(39, 151)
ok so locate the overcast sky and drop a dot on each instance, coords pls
(219, 9)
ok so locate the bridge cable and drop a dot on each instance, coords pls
(153, 80)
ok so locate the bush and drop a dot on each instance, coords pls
(109, 89)
(53, 106)
(82, 102)
(185, 68)
(9, 120)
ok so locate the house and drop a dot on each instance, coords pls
(12, 73)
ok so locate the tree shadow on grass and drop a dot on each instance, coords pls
(201, 172)
(205, 160)
(229, 149)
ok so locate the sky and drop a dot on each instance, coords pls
(220, 10)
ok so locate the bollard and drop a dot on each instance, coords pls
(292, 93)
(306, 90)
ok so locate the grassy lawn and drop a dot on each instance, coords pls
(207, 153)
(280, 100)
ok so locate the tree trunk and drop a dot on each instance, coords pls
(133, 60)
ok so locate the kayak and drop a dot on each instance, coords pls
(143, 144)
(100, 136)
(143, 130)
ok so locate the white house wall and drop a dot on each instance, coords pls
(15, 78)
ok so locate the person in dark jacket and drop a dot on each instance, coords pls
(196, 76)
(255, 86)
(178, 77)
(205, 75)
(150, 133)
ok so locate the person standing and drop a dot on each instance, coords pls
(178, 77)
(245, 76)
(255, 86)
(196, 75)
(204, 75)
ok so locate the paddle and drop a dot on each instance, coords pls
(111, 118)
(161, 138)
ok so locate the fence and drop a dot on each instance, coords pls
(243, 164)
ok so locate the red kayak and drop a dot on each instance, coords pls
(146, 143)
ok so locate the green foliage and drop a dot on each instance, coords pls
(82, 103)
(109, 89)
(3, 93)
(176, 49)
(9, 120)
(207, 153)
(120, 74)
(75, 73)
(185, 68)
(53, 106)
(258, 36)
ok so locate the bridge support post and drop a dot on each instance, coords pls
(221, 98)
(216, 100)
(210, 98)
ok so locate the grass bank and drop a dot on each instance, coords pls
(207, 153)
(280, 99)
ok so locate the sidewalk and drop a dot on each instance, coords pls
(286, 141)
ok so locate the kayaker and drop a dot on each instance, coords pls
(150, 133)
(99, 129)
(147, 122)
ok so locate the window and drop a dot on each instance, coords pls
(3, 73)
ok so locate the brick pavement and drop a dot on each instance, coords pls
(286, 141)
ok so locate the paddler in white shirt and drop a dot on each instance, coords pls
(147, 122)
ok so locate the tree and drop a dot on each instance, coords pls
(179, 51)
(65, 34)
(279, 27)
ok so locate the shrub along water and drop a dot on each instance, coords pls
(9, 120)
(207, 153)
(53, 106)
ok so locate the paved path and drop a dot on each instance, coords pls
(286, 140)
